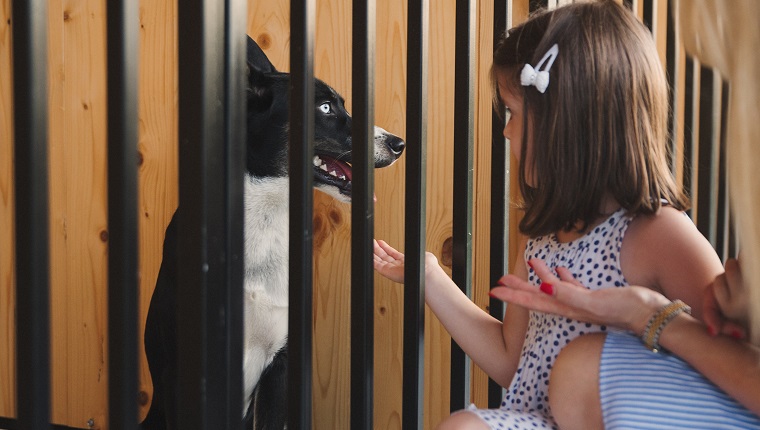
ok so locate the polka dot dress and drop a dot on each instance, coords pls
(594, 260)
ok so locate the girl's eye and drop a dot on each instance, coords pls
(325, 107)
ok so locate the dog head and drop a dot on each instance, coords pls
(268, 129)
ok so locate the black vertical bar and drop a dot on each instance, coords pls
(463, 161)
(236, 131)
(499, 200)
(721, 178)
(123, 284)
(362, 214)
(415, 214)
(30, 119)
(203, 309)
(672, 54)
(302, 17)
(648, 13)
(536, 5)
(708, 157)
(691, 99)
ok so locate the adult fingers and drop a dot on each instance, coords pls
(516, 282)
(543, 271)
(567, 290)
(566, 275)
(532, 299)
(733, 329)
(734, 280)
(710, 311)
(721, 294)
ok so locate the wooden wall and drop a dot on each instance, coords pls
(78, 209)
(79, 234)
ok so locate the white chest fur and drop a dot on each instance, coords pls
(266, 276)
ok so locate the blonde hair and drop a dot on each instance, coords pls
(725, 35)
(601, 126)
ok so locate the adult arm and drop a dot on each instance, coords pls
(731, 364)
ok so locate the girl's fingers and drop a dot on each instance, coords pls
(386, 252)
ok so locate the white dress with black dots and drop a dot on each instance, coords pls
(594, 260)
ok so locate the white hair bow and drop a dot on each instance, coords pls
(536, 77)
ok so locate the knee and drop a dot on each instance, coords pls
(574, 384)
(462, 420)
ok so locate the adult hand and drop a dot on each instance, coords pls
(628, 308)
(726, 303)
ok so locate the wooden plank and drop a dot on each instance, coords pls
(157, 146)
(7, 253)
(59, 256)
(84, 211)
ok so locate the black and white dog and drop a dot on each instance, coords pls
(266, 245)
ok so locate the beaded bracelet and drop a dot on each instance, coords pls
(659, 320)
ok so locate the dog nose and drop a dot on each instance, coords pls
(397, 146)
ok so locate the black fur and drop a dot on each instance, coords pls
(267, 142)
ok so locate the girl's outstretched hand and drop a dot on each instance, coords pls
(628, 308)
(388, 262)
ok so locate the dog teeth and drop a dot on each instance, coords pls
(319, 163)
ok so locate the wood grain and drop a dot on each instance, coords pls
(7, 262)
(79, 234)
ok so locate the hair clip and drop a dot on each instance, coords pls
(540, 78)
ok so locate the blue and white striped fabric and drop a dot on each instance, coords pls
(643, 390)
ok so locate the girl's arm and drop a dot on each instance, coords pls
(489, 343)
(731, 364)
(667, 253)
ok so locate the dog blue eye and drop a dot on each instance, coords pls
(325, 107)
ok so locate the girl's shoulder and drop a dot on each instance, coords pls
(665, 251)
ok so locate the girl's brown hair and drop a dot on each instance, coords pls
(601, 126)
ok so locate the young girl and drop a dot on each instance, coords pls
(587, 103)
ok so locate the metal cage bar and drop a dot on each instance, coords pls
(302, 18)
(362, 213)
(500, 159)
(30, 119)
(463, 161)
(209, 387)
(123, 282)
(690, 130)
(415, 214)
(709, 154)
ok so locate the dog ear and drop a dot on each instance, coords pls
(258, 59)
(259, 84)
(260, 94)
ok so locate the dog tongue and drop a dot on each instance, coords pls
(339, 166)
